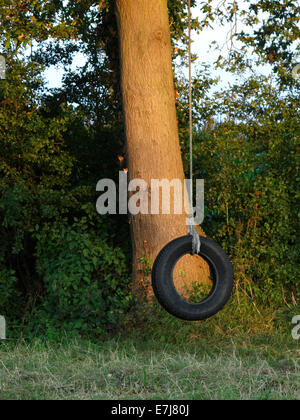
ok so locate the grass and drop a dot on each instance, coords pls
(260, 368)
(245, 352)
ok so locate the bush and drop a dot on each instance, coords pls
(85, 281)
(250, 168)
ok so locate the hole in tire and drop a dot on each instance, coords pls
(193, 278)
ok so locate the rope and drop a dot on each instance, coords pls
(191, 228)
(190, 102)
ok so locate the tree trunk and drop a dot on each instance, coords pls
(151, 126)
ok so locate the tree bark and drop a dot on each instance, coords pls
(153, 148)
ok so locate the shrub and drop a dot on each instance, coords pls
(85, 281)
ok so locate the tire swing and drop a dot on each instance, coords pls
(221, 271)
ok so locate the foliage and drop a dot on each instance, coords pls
(50, 163)
(85, 280)
(249, 162)
(269, 34)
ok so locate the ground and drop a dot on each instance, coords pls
(243, 368)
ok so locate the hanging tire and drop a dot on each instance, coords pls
(166, 293)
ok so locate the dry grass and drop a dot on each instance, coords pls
(129, 370)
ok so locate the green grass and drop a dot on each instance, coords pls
(261, 367)
(244, 352)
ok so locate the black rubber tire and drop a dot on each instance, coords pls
(166, 293)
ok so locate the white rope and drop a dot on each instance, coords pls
(191, 228)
